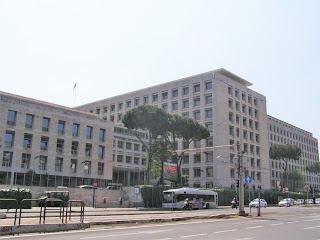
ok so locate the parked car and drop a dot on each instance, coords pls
(287, 202)
(53, 198)
(85, 186)
(255, 203)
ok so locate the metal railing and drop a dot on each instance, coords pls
(69, 205)
(15, 201)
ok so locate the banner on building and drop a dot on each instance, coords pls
(170, 171)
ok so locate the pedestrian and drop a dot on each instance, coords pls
(120, 201)
(105, 202)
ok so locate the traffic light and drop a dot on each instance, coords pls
(237, 183)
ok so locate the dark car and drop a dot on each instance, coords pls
(53, 198)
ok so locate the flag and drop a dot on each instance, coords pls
(74, 86)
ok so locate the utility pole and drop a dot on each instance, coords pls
(241, 189)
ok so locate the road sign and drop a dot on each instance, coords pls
(247, 179)
(95, 184)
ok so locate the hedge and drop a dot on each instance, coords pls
(18, 194)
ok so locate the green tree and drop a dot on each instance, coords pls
(296, 177)
(186, 129)
(152, 119)
(314, 168)
(284, 153)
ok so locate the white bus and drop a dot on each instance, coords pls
(174, 198)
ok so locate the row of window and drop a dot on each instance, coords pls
(244, 109)
(155, 97)
(61, 126)
(42, 163)
(198, 173)
(59, 145)
(128, 159)
(128, 145)
(245, 97)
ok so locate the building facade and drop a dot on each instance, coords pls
(235, 115)
(281, 132)
(50, 145)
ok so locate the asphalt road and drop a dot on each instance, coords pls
(275, 223)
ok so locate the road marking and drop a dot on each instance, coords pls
(165, 239)
(254, 227)
(231, 230)
(156, 231)
(293, 222)
(311, 227)
(243, 238)
(114, 235)
(202, 234)
(276, 224)
(310, 220)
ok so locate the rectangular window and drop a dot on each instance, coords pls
(137, 102)
(208, 113)
(128, 103)
(196, 115)
(120, 158)
(25, 160)
(45, 124)
(145, 100)
(165, 107)
(185, 91)
(61, 127)
(105, 109)
(209, 127)
(120, 144)
(137, 147)
(185, 103)
(112, 107)
(208, 85)
(89, 132)
(60, 145)
(75, 130)
(136, 160)
(196, 88)
(87, 167)
(9, 139)
(44, 143)
(174, 106)
(164, 95)
(58, 164)
(174, 93)
(196, 101)
(98, 111)
(88, 150)
(155, 97)
(209, 172)
(102, 135)
(27, 141)
(185, 159)
(74, 148)
(196, 172)
(29, 121)
(128, 145)
(208, 99)
(11, 118)
(128, 159)
(197, 158)
(7, 159)
(42, 162)
(73, 165)
(120, 106)
(101, 152)
(100, 168)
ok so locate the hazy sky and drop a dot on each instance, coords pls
(113, 47)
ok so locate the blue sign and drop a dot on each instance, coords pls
(247, 179)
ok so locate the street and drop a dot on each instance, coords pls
(277, 223)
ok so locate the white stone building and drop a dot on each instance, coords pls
(222, 102)
(281, 132)
(50, 145)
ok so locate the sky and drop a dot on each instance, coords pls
(112, 47)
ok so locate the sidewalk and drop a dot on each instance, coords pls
(98, 216)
